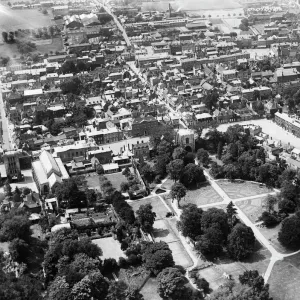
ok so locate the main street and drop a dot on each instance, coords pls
(5, 134)
(105, 5)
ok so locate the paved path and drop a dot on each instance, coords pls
(275, 255)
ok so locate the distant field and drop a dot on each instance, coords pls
(22, 19)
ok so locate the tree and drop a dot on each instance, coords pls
(210, 243)
(190, 221)
(134, 294)
(117, 291)
(124, 187)
(7, 189)
(286, 206)
(241, 242)
(231, 213)
(126, 172)
(203, 285)
(215, 218)
(203, 157)
(81, 66)
(59, 289)
(289, 234)
(16, 227)
(178, 191)
(171, 284)
(231, 171)
(18, 250)
(289, 191)
(68, 67)
(147, 172)
(175, 168)
(99, 169)
(45, 11)
(270, 203)
(192, 175)
(72, 85)
(178, 153)
(157, 256)
(146, 217)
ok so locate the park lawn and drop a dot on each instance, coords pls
(272, 235)
(284, 279)
(157, 206)
(167, 184)
(205, 194)
(12, 20)
(239, 189)
(149, 290)
(252, 208)
(56, 45)
(116, 179)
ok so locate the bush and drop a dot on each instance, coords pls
(122, 263)
(202, 284)
(269, 219)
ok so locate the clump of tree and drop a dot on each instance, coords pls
(146, 217)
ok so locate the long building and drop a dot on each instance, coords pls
(288, 123)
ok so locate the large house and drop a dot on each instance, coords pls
(48, 172)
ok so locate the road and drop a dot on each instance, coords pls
(5, 138)
(120, 26)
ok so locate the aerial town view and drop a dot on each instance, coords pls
(150, 150)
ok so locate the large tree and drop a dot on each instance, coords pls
(192, 175)
(18, 250)
(231, 213)
(172, 284)
(215, 218)
(289, 234)
(175, 168)
(190, 221)
(178, 191)
(203, 157)
(241, 242)
(157, 256)
(211, 242)
(146, 217)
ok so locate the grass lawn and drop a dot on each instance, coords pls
(55, 45)
(166, 231)
(236, 190)
(157, 206)
(110, 248)
(205, 194)
(285, 278)
(149, 290)
(259, 260)
(252, 208)
(272, 235)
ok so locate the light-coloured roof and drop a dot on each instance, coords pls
(62, 168)
(40, 172)
(60, 226)
(111, 166)
(33, 92)
(49, 164)
(53, 179)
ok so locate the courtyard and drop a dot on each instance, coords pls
(111, 248)
(242, 189)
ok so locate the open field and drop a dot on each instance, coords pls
(258, 261)
(285, 278)
(157, 206)
(149, 290)
(236, 190)
(205, 194)
(55, 45)
(252, 208)
(110, 248)
(22, 19)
